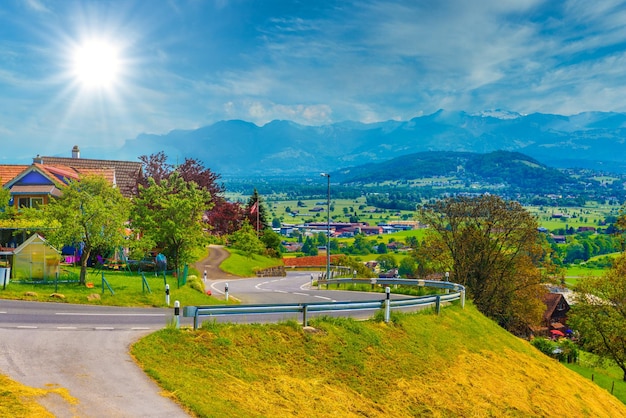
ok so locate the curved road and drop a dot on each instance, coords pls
(85, 348)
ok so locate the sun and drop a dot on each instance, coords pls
(96, 64)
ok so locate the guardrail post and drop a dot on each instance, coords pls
(305, 321)
(177, 313)
(226, 291)
(387, 303)
(438, 304)
(463, 299)
(167, 294)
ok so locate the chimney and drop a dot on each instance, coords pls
(38, 159)
(75, 152)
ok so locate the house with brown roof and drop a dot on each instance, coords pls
(125, 174)
(555, 315)
(36, 184)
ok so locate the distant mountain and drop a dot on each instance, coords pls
(595, 140)
(512, 171)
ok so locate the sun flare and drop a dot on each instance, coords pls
(96, 64)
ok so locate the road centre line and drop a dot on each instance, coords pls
(26, 327)
(301, 294)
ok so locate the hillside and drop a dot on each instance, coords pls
(456, 364)
(503, 169)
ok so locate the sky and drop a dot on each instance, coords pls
(96, 73)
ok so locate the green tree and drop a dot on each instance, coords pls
(91, 212)
(5, 196)
(309, 247)
(599, 314)
(246, 240)
(492, 247)
(386, 262)
(169, 214)
(257, 213)
(272, 242)
(407, 267)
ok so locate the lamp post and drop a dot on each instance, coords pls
(327, 226)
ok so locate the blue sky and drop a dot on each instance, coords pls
(182, 64)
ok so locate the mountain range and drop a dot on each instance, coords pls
(593, 140)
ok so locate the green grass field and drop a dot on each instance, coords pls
(456, 364)
(128, 289)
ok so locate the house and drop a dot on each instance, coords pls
(125, 173)
(37, 184)
(559, 239)
(555, 315)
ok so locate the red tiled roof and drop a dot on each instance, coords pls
(9, 172)
(125, 173)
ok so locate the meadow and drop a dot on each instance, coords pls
(458, 363)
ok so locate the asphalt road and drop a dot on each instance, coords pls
(85, 348)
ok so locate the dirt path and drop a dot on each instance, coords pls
(211, 264)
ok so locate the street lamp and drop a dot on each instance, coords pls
(327, 226)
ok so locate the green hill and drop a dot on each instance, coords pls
(456, 364)
(511, 170)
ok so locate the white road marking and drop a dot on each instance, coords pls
(64, 328)
(1, 312)
(103, 314)
(104, 328)
(301, 294)
(325, 298)
(26, 327)
(280, 291)
(140, 328)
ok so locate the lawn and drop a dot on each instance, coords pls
(128, 290)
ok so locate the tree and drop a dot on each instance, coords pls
(91, 213)
(387, 262)
(246, 240)
(222, 216)
(407, 267)
(256, 212)
(5, 196)
(309, 247)
(492, 247)
(599, 314)
(272, 242)
(169, 215)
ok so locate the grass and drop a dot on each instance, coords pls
(17, 400)
(127, 290)
(607, 375)
(456, 364)
(242, 265)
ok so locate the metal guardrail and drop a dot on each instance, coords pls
(198, 312)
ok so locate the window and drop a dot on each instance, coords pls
(29, 202)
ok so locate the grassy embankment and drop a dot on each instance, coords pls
(456, 364)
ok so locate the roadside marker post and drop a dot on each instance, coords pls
(387, 303)
(204, 277)
(177, 313)
(226, 291)
(167, 294)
